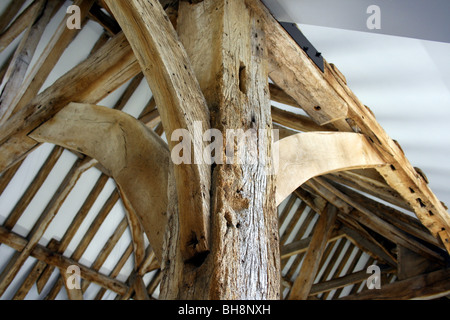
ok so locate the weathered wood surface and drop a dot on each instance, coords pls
(60, 40)
(38, 230)
(322, 231)
(181, 103)
(10, 12)
(50, 257)
(19, 24)
(126, 148)
(226, 47)
(306, 155)
(327, 99)
(428, 286)
(89, 82)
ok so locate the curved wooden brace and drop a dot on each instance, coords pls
(135, 156)
(310, 154)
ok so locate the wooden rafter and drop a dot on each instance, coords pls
(120, 143)
(306, 155)
(295, 73)
(206, 61)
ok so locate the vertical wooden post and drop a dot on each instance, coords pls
(226, 47)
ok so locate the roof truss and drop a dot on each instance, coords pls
(328, 218)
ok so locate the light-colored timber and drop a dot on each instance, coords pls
(301, 214)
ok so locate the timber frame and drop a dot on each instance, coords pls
(310, 230)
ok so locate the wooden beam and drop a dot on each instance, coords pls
(365, 242)
(226, 47)
(322, 231)
(118, 267)
(90, 233)
(8, 175)
(43, 222)
(72, 293)
(88, 82)
(125, 147)
(23, 55)
(106, 21)
(345, 281)
(368, 218)
(181, 103)
(33, 275)
(106, 250)
(136, 229)
(302, 245)
(376, 188)
(297, 121)
(50, 257)
(279, 95)
(411, 264)
(73, 228)
(428, 286)
(10, 12)
(33, 188)
(408, 224)
(356, 234)
(57, 45)
(19, 25)
(292, 70)
(307, 155)
(297, 75)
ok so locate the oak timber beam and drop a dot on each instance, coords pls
(423, 287)
(10, 12)
(323, 229)
(73, 228)
(180, 101)
(88, 236)
(327, 98)
(226, 47)
(300, 246)
(297, 121)
(38, 230)
(62, 37)
(23, 56)
(371, 220)
(397, 218)
(33, 275)
(126, 148)
(19, 25)
(33, 188)
(72, 293)
(89, 82)
(318, 199)
(307, 155)
(57, 260)
(118, 267)
(292, 71)
(106, 250)
(344, 281)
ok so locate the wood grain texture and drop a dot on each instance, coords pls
(428, 286)
(291, 70)
(50, 257)
(306, 155)
(60, 40)
(125, 147)
(322, 231)
(89, 82)
(225, 45)
(167, 69)
(297, 75)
